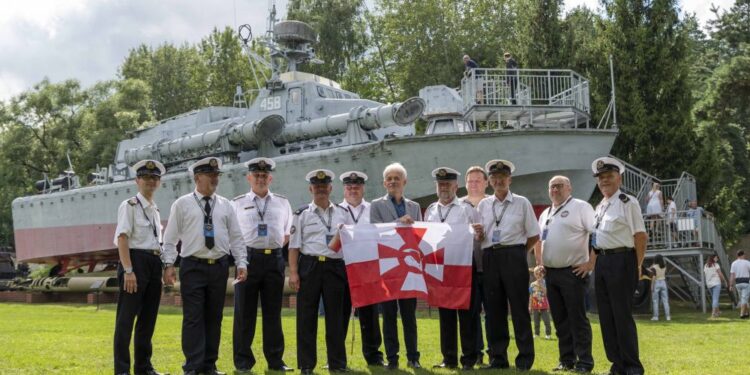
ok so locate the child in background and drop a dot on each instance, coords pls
(538, 304)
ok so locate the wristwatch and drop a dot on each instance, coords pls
(128, 269)
(166, 265)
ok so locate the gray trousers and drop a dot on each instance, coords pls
(544, 315)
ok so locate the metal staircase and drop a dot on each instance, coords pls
(684, 240)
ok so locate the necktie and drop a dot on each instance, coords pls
(208, 224)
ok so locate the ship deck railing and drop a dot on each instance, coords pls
(685, 239)
(526, 97)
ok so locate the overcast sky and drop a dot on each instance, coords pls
(88, 39)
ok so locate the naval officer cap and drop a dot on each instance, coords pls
(606, 164)
(445, 174)
(261, 165)
(320, 176)
(498, 166)
(353, 178)
(206, 165)
(149, 168)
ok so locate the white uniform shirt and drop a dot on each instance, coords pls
(567, 233)
(309, 232)
(277, 216)
(455, 212)
(356, 215)
(618, 222)
(740, 268)
(139, 227)
(186, 224)
(518, 221)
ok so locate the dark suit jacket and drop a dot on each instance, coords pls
(382, 210)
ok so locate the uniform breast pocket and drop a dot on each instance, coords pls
(141, 223)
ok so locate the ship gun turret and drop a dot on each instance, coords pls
(365, 119)
(235, 135)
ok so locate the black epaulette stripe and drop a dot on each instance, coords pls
(301, 209)
(624, 198)
(280, 196)
(133, 201)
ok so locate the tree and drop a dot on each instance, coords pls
(225, 66)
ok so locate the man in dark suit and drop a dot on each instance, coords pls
(394, 207)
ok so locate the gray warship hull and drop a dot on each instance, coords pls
(79, 224)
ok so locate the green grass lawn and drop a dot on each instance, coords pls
(77, 339)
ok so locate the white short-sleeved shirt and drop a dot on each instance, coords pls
(740, 268)
(186, 224)
(567, 230)
(137, 218)
(712, 275)
(309, 232)
(619, 219)
(516, 224)
(672, 211)
(356, 215)
(455, 212)
(273, 211)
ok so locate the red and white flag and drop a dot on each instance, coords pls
(430, 261)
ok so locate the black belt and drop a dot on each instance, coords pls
(206, 260)
(498, 246)
(263, 251)
(616, 250)
(321, 258)
(149, 251)
(742, 280)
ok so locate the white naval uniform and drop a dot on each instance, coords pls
(139, 228)
(309, 232)
(277, 216)
(518, 222)
(186, 224)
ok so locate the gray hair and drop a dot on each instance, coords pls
(395, 167)
(566, 180)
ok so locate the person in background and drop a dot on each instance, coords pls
(659, 289)
(740, 279)
(714, 279)
(538, 304)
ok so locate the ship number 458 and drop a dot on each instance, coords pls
(270, 103)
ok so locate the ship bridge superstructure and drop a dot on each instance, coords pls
(521, 98)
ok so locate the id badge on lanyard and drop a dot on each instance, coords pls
(262, 230)
(496, 235)
(208, 230)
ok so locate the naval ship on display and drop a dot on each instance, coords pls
(304, 121)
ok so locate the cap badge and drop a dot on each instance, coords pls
(150, 165)
(441, 172)
(320, 175)
(262, 163)
(600, 164)
(213, 163)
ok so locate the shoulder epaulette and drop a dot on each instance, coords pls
(299, 210)
(340, 206)
(133, 201)
(280, 196)
(624, 198)
(430, 206)
(239, 197)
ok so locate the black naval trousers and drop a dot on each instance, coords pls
(143, 304)
(615, 280)
(369, 324)
(466, 320)
(265, 279)
(326, 278)
(566, 293)
(203, 288)
(480, 307)
(506, 280)
(407, 307)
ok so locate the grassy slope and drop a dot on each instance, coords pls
(39, 339)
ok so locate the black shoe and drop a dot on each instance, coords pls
(582, 370)
(283, 368)
(414, 364)
(339, 369)
(213, 372)
(493, 365)
(563, 367)
(377, 363)
(392, 365)
(190, 372)
(151, 372)
(306, 371)
(446, 365)
(467, 367)
(242, 371)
